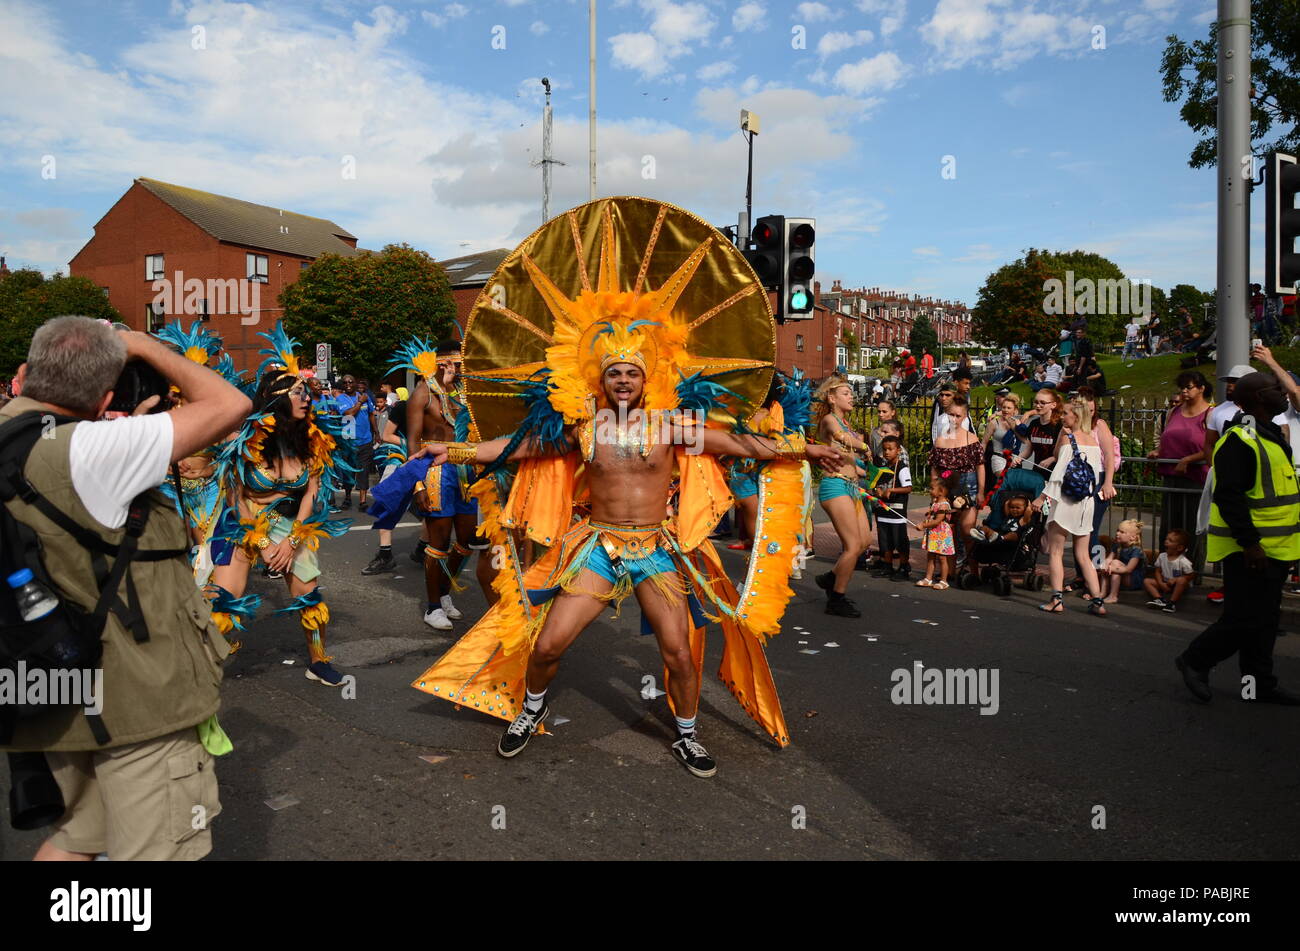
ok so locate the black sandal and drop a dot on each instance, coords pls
(1098, 607)
(1054, 606)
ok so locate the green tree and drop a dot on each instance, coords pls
(1185, 295)
(28, 299)
(923, 336)
(369, 304)
(1031, 299)
(1190, 74)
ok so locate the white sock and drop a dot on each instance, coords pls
(685, 727)
(533, 701)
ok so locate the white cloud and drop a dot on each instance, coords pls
(964, 31)
(538, 28)
(832, 43)
(878, 73)
(673, 30)
(1019, 94)
(892, 12)
(715, 71)
(814, 13)
(639, 51)
(749, 16)
(928, 251)
(452, 11)
(978, 252)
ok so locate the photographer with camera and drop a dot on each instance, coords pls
(135, 776)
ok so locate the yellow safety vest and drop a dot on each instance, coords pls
(1274, 502)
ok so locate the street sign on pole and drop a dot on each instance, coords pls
(324, 360)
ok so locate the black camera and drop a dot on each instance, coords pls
(138, 382)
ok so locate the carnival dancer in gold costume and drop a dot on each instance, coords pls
(632, 386)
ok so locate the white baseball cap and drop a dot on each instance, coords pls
(1240, 370)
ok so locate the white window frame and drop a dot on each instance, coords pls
(841, 356)
(256, 267)
(154, 268)
(798, 343)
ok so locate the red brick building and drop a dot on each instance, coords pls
(164, 252)
(855, 329)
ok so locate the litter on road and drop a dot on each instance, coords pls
(281, 802)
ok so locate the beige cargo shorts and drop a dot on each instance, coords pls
(150, 801)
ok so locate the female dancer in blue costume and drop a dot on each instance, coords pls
(280, 473)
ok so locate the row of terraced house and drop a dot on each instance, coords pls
(159, 231)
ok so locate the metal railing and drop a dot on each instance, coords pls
(1141, 491)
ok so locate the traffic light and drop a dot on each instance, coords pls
(765, 256)
(796, 302)
(1281, 224)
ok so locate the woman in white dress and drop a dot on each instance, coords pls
(1068, 517)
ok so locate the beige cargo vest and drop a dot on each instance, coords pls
(169, 682)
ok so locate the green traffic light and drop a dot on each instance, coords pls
(798, 300)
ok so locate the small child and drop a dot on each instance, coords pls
(894, 486)
(1126, 566)
(939, 546)
(1002, 534)
(892, 427)
(1173, 573)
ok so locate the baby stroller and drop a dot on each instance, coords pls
(1020, 557)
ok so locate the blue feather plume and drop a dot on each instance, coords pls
(197, 336)
(281, 344)
(796, 401)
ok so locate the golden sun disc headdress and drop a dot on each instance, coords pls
(617, 280)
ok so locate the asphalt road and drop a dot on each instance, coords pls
(1091, 713)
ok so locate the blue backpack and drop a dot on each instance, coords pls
(1080, 481)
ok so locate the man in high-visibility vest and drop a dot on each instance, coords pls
(1254, 535)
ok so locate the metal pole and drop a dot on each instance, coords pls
(546, 154)
(749, 192)
(1235, 171)
(591, 118)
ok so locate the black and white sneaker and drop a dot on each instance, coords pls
(519, 732)
(382, 562)
(1158, 603)
(694, 757)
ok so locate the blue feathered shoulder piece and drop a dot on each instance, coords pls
(795, 398)
(541, 422)
(699, 395)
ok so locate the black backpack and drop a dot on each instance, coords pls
(68, 637)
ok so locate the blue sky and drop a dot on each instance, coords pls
(1056, 144)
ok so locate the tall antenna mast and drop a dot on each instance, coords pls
(546, 161)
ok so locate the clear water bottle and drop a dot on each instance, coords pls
(34, 599)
